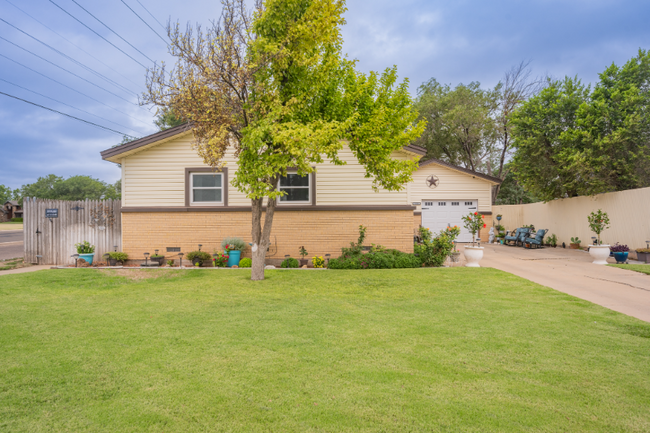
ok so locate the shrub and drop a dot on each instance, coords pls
(318, 261)
(16, 220)
(245, 263)
(203, 256)
(343, 263)
(405, 260)
(434, 252)
(85, 248)
(220, 260)
(170, 263)
(290, 262)
(233, 244)
(356, 248)
(377, 261)
(119, 256)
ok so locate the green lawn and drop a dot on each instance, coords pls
(645, 269)
(9, 264)
(431, 350)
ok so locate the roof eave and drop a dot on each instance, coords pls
(491, 179)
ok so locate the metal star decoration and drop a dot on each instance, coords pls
(432, 181)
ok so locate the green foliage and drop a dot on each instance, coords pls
(598, 222)
(170, 262)
(512, 192)
(433, 251)
(220, 260)
(119, 256)
(571, 141)
(167, 118)
(386, 259)
(302, 251)
(552, 240)
(233, 244)
(356, 248)
(474, 223)
(84, 248)
(203, 256)
(74, 188)
(17, 220)
(290, 262)
(7, 194)
(245, 262)
(575, 240)
(461, 127)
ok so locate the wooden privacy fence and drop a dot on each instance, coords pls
(50, 237)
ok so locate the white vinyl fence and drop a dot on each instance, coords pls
(629, 215)
(50, 237)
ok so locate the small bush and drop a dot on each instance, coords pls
(405, 260)
(245, 263)
(343, 263)
(119, 256)
(290, 263)
(318, 261)
(16, 220)
(233, 244)
(377, 261)
(203, 256)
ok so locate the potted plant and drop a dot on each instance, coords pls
(157, 258)
(552, 241)
(198, 257)
(620, 252)
(643, 254)
(303, 253)
(474, 254)
(598, 222)
(575, 243)
(220, 260)
(233, 247)
(117, 256)
(86, 251)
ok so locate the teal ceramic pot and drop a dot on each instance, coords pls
(87, 257)
(621, 257)
(233, 258)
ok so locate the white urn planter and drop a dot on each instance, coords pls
(599, 254)
(473, 255)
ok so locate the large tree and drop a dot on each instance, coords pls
(6, 194)
(275, 85)
(460, 123)
(54, 187)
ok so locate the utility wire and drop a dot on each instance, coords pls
(89, 69)
(69, 72)
(113, 31)
(68, 105)
(145, 23)
(73, 44)
(74, 90)
(115, 46)
(163, 27)
(64, 114)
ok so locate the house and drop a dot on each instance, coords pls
(11, 209)
(172, 201)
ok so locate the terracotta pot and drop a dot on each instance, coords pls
(304, 262)
(473, 255)
(599, 254)
(574, 246)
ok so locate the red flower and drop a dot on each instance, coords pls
(484, 225)
(475, 213)
(482, 216)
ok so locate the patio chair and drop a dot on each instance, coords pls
(537, 241)
(519, 237)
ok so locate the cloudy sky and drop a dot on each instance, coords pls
(455, 42)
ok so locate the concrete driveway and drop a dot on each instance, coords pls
(11, 244)
(571, 271)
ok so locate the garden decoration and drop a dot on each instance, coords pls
(620, 252)
(86, 251)
(303, 253)
(598, 222)
(473, 254)
(491, 236)
(575, 243)
(233, 247)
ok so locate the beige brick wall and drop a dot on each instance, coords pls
(321, 232)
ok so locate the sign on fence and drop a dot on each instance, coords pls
(53, 227)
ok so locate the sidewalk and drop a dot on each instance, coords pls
(571, 272)
(25, 270)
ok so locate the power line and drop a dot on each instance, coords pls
(89, 69)
(64, 114)
(64, 69)
(67, 105)
(114, 32)
(115, 46)
(73, 44)
(74, 90)
(145, 23)
(163, 27)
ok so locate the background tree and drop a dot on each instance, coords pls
(511, 192)
(278, 89)
(6, 194)
(53, 187)
(167, 118)
(460, 123)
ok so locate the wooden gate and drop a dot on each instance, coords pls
(50, 241)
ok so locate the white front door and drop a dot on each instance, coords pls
(440, 214)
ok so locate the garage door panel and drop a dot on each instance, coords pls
(440, 214)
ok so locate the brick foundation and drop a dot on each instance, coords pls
(321, 232)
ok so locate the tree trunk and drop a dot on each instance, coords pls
(261, 235)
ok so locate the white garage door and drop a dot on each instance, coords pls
(438, 215)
